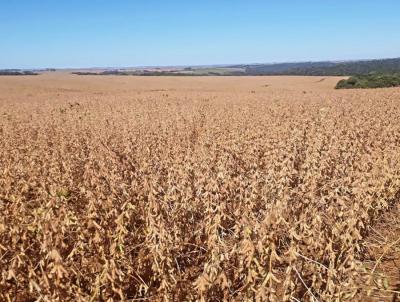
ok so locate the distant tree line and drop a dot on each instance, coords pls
(85, 73)
(16, 72)
(388, 66)
(384, 66)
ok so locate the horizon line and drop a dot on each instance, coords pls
(202, 65)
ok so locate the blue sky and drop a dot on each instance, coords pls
(87, 33)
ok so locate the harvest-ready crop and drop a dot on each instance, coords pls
(193, 194)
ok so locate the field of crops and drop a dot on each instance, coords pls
(197, 189)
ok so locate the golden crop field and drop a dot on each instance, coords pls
(198, 189)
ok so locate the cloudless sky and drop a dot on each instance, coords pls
(116, 33)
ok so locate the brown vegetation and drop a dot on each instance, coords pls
(196, 189)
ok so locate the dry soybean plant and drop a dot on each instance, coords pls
(194, 197)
